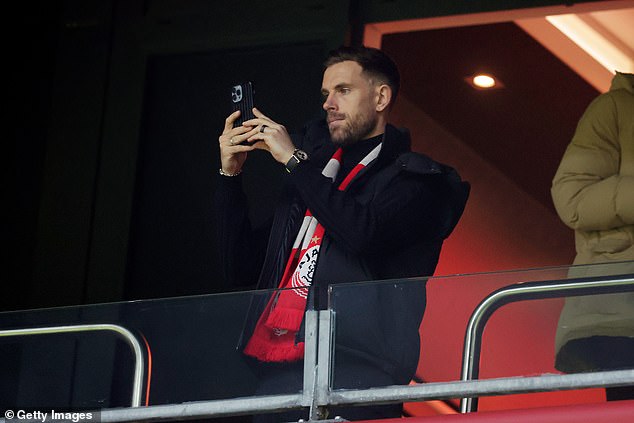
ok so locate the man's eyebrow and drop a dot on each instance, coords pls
(338, 86)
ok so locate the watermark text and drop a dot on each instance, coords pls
(57, 416)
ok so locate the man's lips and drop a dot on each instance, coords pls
(335, 118)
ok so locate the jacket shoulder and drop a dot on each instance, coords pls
(451, 191)
(418, 163)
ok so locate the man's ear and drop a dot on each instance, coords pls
(384, 97)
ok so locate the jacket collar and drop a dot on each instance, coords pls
(396, 141)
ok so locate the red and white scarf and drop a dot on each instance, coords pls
(273, 339)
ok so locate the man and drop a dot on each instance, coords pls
(358, 206)
(593, 192)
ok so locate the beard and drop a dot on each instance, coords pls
(356, 128)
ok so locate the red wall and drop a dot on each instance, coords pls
(502, 228)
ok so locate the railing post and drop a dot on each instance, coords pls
(318, 382)
(311, 325)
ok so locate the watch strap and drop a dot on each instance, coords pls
(297, 157)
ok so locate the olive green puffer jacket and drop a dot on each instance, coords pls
(593, 192)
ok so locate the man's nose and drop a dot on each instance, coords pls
(329, 104)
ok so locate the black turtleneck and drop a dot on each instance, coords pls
(354, 153)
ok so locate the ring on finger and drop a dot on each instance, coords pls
(263, 128)
(232, 141)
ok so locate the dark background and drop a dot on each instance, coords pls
(186, 101)
(115, 113)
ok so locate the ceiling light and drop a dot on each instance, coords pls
(483, 81)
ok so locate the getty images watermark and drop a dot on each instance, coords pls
(57, 416)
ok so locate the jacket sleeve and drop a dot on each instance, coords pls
(588, 191)
(398, 214)
(240, 247)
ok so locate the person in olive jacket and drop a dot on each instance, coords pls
(593, 192)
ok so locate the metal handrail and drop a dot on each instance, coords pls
(317, 393)
(487, 387)
(522, 292)
(427, 391)
(203, 409)
(137, 384)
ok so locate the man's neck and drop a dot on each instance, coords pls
(359, 149)
(379, 129)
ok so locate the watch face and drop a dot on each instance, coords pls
(301, 155)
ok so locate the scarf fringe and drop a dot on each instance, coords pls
(285, 318)
(275, 353)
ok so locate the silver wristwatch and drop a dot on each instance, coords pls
(297, 157)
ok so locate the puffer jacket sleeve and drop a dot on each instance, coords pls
(588, 191)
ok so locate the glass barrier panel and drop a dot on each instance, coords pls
(376, 332)
(378, 325)
(190, 347)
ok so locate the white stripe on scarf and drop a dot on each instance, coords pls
(331, 170)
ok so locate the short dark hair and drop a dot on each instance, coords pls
(373, 61)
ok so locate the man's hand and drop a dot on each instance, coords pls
(274, 136)
(232, 153)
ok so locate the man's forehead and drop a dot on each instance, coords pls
(345, 72)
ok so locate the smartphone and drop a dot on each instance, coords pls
(242, 99)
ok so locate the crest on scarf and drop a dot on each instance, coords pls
(303, 276)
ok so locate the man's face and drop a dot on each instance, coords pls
(350, 103)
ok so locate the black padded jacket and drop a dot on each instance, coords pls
(389, 223)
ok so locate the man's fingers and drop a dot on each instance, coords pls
(259, 114)
(242, 148)
(261, 119)
(238, 134)
(236, 147)
(230, 120)
(259, 144)
(244, 136)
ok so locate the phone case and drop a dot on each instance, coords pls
(242, 99)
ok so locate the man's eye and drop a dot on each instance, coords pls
(344, 90)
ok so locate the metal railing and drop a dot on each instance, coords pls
(389, 394)
(131, 340)
(317, 394)
(523, 292)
